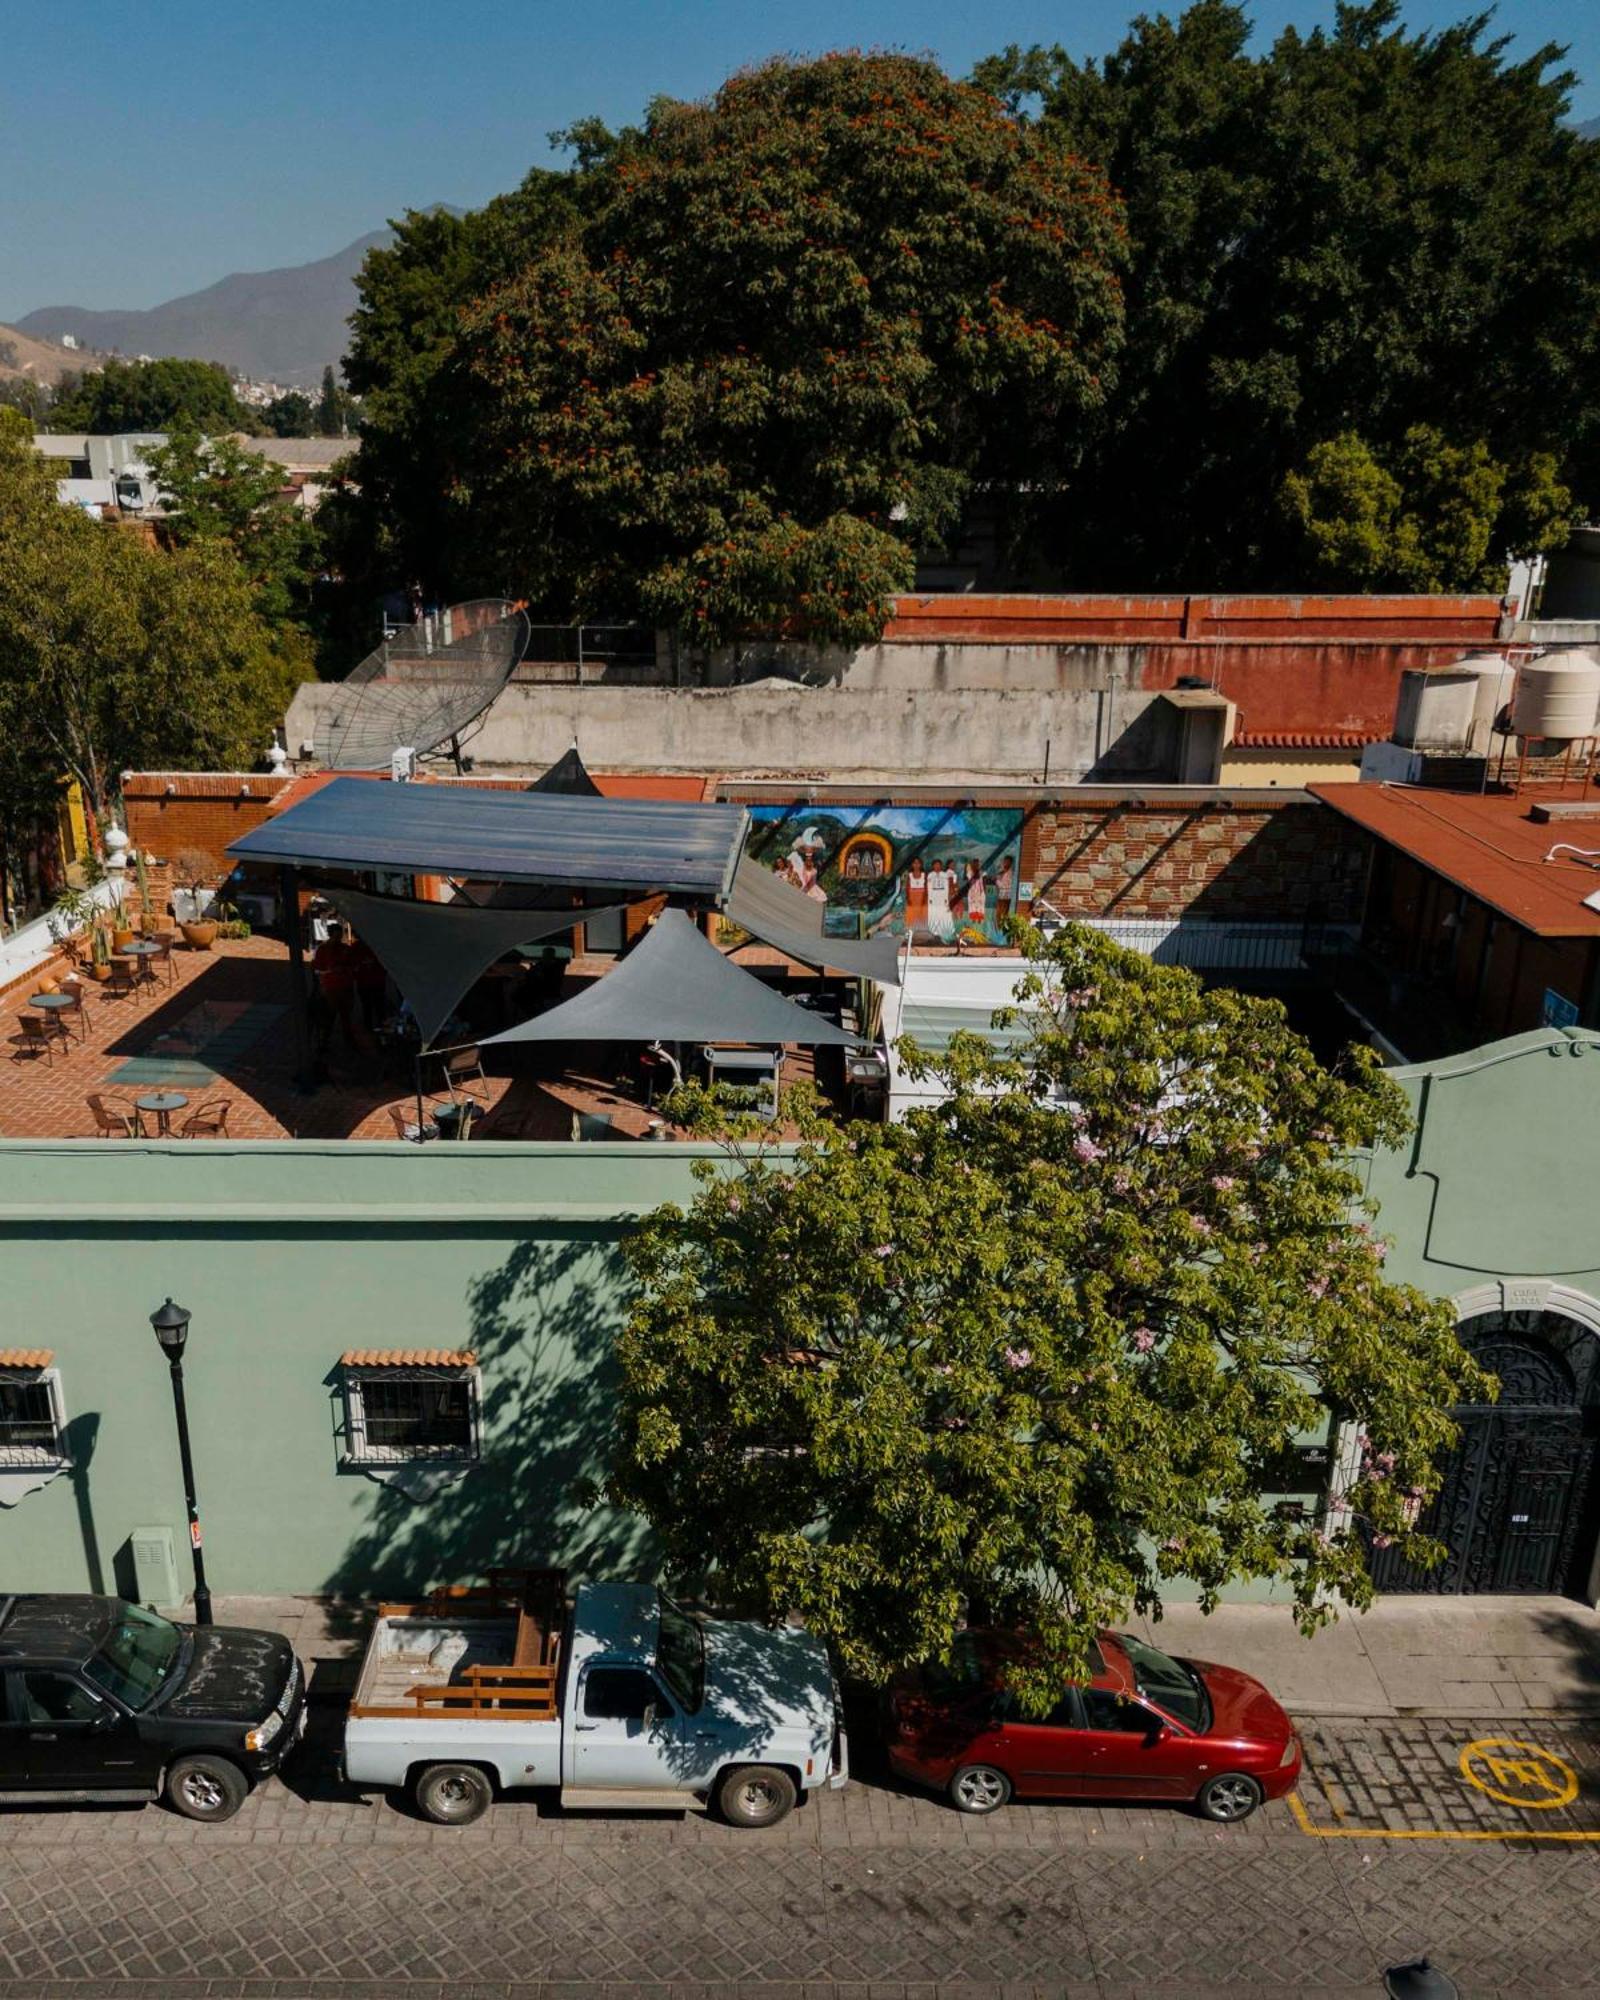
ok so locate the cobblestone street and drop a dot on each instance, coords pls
(862, 1895)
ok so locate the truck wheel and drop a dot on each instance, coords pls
(206, 1788)
(755, 1795)
(452, 1794)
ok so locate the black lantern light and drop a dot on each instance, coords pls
(171, 1323)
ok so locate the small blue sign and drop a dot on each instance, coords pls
(1559, 1011)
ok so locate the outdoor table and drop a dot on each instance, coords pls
(163, 1103)
(755, 1069)
(52, 1003)
(144, 949)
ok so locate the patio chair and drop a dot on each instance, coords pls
(114, 1121)
(163, 957)
(78, 1011)
(461, 1067)
(36, 1040)
(122, 982)
(407, 1129)
(209, 1122)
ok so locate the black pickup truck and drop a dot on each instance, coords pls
(101, 1701)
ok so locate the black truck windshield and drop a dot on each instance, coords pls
(136, 1656)
(681, 1655)
(1168, 1682)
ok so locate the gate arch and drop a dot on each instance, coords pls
(1517, 1507)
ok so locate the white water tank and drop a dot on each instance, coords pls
(1557, 697)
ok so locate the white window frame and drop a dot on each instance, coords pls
(357, 1450)
(32, 1457)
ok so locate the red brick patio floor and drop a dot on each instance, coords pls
(230, 1009)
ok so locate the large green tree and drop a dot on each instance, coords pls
(1040, 1349)
(1350, 234)
(799, 326)
(117, 654)
(216, 491)
(150, 396)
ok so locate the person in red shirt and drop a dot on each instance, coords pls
(334, 963)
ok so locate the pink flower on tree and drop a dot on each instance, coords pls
(1019, 1357)
(884, 1250)
(1144, 1338)
(1086, 1149)
(1223, 1183)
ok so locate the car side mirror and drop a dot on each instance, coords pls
(105, 1717)
(1158, 1732)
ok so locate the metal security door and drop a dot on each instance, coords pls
(1540, 1456)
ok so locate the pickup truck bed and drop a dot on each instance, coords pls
(493, 1650)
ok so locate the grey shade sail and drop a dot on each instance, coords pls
(567, 775)
(436, 952)
(791, 921)
(675, 987)
(640, 845)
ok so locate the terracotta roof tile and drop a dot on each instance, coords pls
(408, 1357)
(26, 1357)
(1304, 739)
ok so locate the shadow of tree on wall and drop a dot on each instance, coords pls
(541, 1326)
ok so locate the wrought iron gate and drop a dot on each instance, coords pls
(1515, 1490)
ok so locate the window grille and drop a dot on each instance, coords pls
(30, 1419)
(406, 1416)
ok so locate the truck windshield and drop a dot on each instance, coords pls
(136, 1656)
(681, 1655)
(1177, 1688)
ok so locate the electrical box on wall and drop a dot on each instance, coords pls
(155, 1568)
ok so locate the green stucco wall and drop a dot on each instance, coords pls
(287, 1254)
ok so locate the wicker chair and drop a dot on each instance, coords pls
(209, 1122)
(123, 982)
(114, 1121)
(78, 1011)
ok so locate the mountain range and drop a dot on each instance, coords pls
(272, 326)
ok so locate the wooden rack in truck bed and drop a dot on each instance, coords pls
(478, 1652)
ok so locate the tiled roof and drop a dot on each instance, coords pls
(26, 1357)
(1305, 739)
(408, 1357)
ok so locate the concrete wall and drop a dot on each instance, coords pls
(287, 1254)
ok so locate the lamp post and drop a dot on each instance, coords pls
(171, 1325)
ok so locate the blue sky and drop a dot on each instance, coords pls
(148, 150)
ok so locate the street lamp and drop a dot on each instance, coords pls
(171, 1325)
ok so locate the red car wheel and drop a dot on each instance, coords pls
(979, 1788)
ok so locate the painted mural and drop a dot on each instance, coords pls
(946, 874)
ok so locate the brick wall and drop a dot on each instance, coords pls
(169, 810)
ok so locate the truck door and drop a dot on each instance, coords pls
(625, 1732)
(76, 1740)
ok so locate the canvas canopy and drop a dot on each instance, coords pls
(791, 921)
(435, 952)
(675, 987)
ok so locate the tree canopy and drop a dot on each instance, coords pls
(1036, 1351)
(779, 339)
(1352, 234)
(117, 654)
(150, 396)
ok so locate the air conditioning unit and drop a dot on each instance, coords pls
(402, 766)
(155, 1568)
(260, 911)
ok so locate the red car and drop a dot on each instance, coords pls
(1146, 1727)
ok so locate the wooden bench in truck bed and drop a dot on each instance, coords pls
(483, 1652)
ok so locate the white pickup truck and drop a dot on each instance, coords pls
(625, 1700)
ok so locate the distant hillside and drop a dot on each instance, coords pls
(274, 326)
(1590, 129)
(40, 360)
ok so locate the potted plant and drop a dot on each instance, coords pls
(72, 916)
(193, 873)
(99, 966)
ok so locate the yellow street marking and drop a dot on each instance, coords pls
(1334, 1806)
(1305, 1823)
(1519, 1774)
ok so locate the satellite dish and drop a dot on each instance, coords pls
(423, 685)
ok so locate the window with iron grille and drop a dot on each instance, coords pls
(30, 1418)
(402, 1416)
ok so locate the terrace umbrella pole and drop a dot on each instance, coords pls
(416, 1061)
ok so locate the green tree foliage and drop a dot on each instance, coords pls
(291, 415)
(1046, 1346)
(797, 325)
(22, 392)
(217, 492)
(336, 411)
(1354, 233)
(116, 654)
(150, 396)
(402, 525)
(1430, 518)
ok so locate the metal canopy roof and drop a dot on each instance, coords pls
(642, 845)
(675, 987)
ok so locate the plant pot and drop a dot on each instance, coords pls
(199, 937)
(121, 939)
(97, 971)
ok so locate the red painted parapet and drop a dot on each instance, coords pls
(958, 617)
